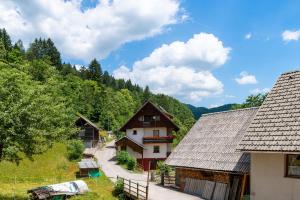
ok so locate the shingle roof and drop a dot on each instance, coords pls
(87, 121)
(212, 141)
(88, 164)
(132, 140)
(276, 126)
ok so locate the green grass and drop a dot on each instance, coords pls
(48, 168)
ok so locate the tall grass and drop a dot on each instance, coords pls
(48, 168)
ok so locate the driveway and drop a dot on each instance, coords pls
(107, 163)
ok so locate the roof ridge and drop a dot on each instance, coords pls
(290, 72)
(226, 111)
(87, 120)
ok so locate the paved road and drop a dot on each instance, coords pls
(106, 161)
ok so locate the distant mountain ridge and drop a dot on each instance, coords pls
(198, 111)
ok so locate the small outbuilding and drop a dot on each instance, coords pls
(88, 167)
(206, 161)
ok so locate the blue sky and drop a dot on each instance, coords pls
(130, 46)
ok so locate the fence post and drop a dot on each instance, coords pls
(137, 190)
(147, 190)
(162, 177)
(129, 187)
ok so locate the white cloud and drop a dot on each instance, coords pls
(288, 35)
(181, 69)
(259, 90)
(246, 78)
(94, 32)
(214, 105)
(248, 36)
(78, 67)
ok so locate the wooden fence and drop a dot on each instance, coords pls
(134, 190)
(168, 180)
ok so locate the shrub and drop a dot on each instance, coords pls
(122, 196)
(75, 149)
(119, 134)
(103, 134)
(119, 188)
(131, 163)
(163, 168)
(122, 157)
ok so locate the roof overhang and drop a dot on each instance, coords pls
(126, 141)
(81, 117)
(211, 170)
(270, 152)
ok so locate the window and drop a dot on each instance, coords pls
(293, 166)
(156, 118)
(155, 133)
(89, 132)
(148, 118)
(156, 149)
(134, 132)
(141, 118)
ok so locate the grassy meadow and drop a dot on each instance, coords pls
(48, 168)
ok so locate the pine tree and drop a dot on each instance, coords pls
(129, 85)
(95, 71)
(19, 45)
(147, 93)
(44, 49)
(2, 51)
(54, 54)
(5, 38)
(106, 79)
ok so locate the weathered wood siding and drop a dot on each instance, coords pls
(183, 173)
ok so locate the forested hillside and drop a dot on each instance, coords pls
(40, 97)
(199, 111)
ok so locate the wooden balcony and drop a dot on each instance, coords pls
(158, 139)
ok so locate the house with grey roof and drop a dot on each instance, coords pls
(206, 161)
(148, 135)
(273, 139)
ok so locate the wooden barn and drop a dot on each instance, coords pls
(206, 161)
(89, 132)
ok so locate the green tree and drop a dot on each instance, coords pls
(40, 70)
(75, 149)
(44, 49)
(147, 93)
(32, 116)
(95, 71)
(68, 69)
(106, 79)
(5, 38)
(251, 101)
(17, 54)
(19, 45)
(2, 51)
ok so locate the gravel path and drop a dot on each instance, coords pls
(107, 163)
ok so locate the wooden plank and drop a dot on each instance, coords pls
(243, 187)
(220, 191)
(208, 189)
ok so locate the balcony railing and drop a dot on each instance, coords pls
(158, 139)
